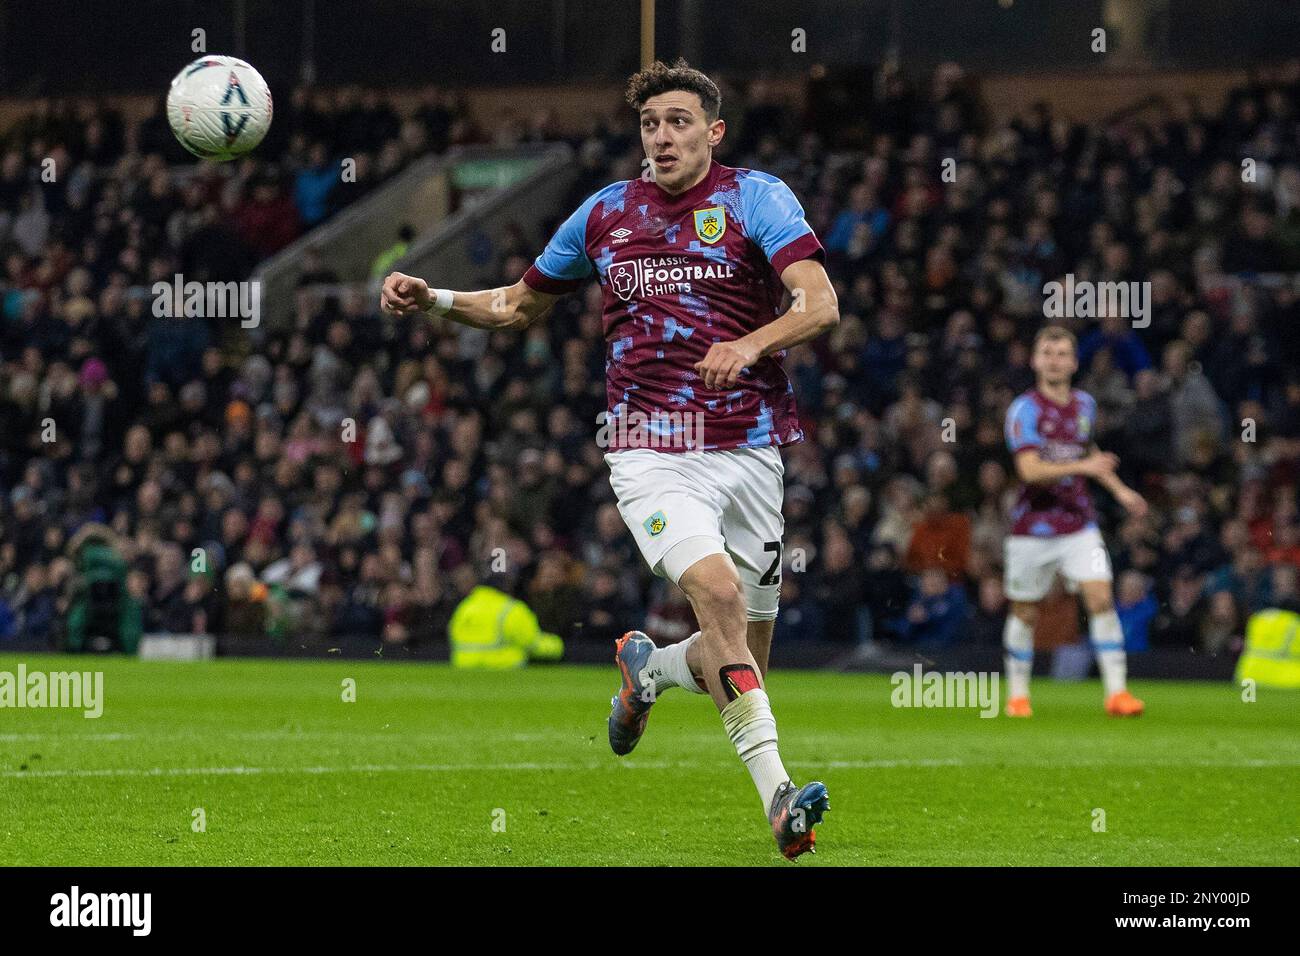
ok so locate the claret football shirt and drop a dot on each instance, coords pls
(678, 274)
(1060, 433)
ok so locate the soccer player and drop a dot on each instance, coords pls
(693, 259)
(1054, 526)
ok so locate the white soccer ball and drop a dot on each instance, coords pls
(219, 107)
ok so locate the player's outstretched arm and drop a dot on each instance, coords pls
(509, 307)
(815, 310)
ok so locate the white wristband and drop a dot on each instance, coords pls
(442, 300)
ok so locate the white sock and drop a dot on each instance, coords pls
(1018, 643)
(1107, 638)
(667, 667)
(752, 728)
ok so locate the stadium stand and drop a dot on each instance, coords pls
(177, 436)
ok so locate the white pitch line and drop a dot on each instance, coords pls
(309, 740)
(806, 740)
(358, 768)
(649, 765)
(286, 736)
(994, 761)
(290, 736)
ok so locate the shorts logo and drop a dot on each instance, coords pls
(655, 524)
(710, 223)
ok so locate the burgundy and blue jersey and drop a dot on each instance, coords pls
(1060, 433)
(680, 273)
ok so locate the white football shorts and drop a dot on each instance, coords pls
(1032, 562)
(684, 506)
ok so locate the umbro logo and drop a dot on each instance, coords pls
(621, 234)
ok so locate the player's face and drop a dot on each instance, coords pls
(1055, 362)
(678, 138)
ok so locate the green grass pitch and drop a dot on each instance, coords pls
(433, 766)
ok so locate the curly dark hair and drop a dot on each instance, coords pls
(659, 77)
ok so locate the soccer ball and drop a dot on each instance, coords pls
(219, 107)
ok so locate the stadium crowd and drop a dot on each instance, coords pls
(356, 474)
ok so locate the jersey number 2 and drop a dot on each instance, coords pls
(773, 574)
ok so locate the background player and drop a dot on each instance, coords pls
(692, 262)
(1054, 526)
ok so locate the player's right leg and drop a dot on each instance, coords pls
(1087, 564)
(1107, 639)
(630, 707)
(1030, 565)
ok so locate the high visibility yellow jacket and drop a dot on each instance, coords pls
(493, 631)
(1271, 657)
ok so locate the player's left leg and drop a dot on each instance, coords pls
(1086, 563)
(1107, 639)
(675, 520)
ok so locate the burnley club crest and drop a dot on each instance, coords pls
(710, 223)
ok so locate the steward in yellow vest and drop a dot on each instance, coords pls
(1271, 657)
(491, 630)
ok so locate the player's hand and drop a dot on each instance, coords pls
(404, 294)
(1133, 502)
(722, 365)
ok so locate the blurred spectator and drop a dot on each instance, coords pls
(607, 614)
(1222, 629)
(940, 539)
(1122, 344)
(670, 617)
(267, 220)
(990, 613)
(838, 588)
(887, 592)
(1176, 623)
(800, 618)
(1136, 608)
(935, 618)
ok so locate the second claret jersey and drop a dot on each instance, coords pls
(680, 273)
(1058, 433)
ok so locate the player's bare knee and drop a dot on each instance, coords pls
(719, 599)
(712, 583)
(1026, 612)
(1101, 604)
